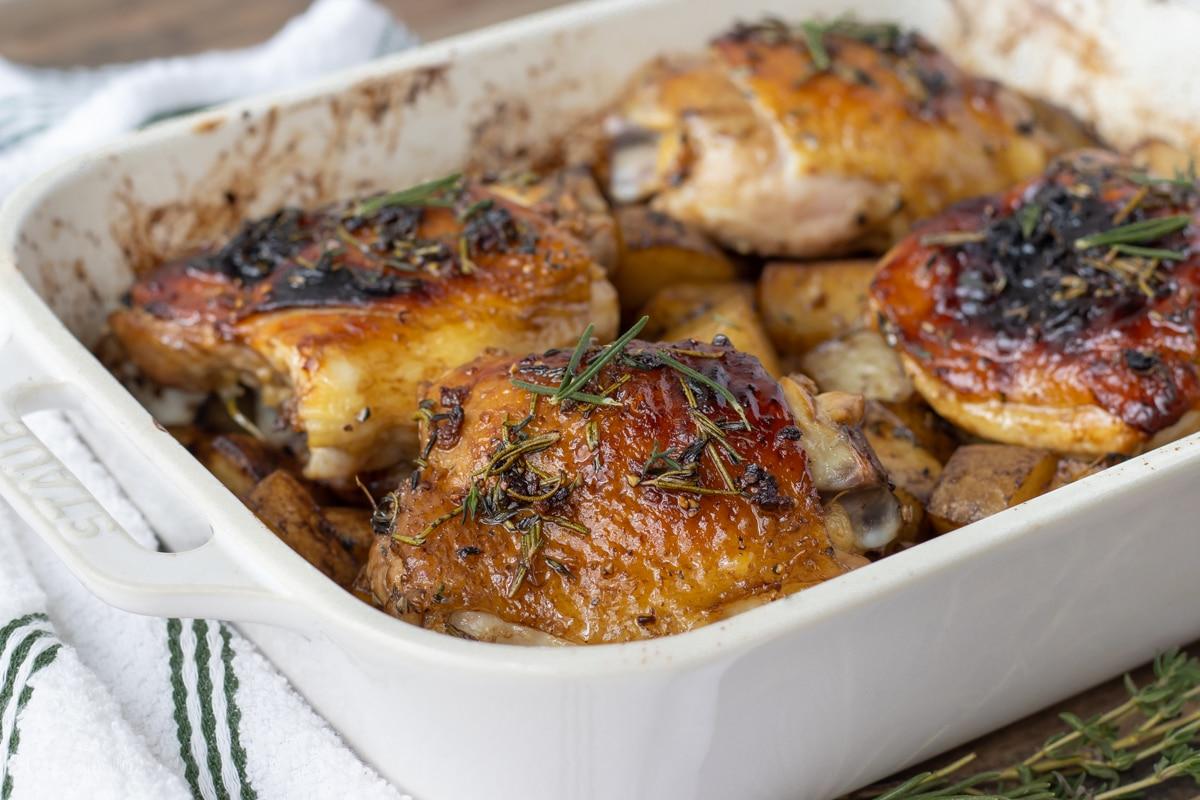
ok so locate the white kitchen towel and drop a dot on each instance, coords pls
(95, 702)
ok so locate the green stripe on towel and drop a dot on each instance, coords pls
(183, 728)
(44, 659)
(208, 720)
(234, 714)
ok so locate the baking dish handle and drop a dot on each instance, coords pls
(204, 582)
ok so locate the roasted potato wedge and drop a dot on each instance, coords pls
(982, 479)
(914, 522)
(679, 304)
(285, 506)
(859, 362)
(804, 304)
(735, 318)
(657, 251)
(352, 527)
(238, 460)
(1073, 468)
(931, 431)
(909, 465)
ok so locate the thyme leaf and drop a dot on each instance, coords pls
(1102, 758)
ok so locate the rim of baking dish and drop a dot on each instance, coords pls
(324, 607)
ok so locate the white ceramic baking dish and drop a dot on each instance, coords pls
(805, 698)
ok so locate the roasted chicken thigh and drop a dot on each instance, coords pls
(1062, 313)
(811, 139)
(668, 489)
(339, 314)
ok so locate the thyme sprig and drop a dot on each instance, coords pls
(423, 194)
(1102, 758)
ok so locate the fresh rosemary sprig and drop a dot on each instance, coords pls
(1146, 230)
(814, 39)
(701, 378)
(572, 385)
(1149, 252)
(423, 194)
(1102, 758)
(814, 32)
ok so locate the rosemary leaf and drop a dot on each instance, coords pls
(700, 377)
(607, 354)
(1146, 230)
(584, 342)
(1149, 252)
(419, 195)
(814, 39)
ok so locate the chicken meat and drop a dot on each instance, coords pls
(819, 138)
(1062, 313)
(338, 315)
(670, 488)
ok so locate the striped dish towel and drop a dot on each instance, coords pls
(95, 702)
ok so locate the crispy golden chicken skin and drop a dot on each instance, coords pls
(1059, 314)
(808, 140)
(584, 522)
(340, 313)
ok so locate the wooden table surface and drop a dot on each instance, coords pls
(88, 32)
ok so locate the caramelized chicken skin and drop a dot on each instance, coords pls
(776, 149)
(342, 312)
(1059, 314)
(598, 523)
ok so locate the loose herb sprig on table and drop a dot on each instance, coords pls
(1102, 758)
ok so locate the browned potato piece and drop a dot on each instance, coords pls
(238, 460)
(909, 465)
(1073, 468)
(982, 479)
(352, 527)
(915, 525)
(931, 431)
(683, 302)
(287, 508)
(859, 362)
(803, 304)
(736, 318)
(657, 251)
